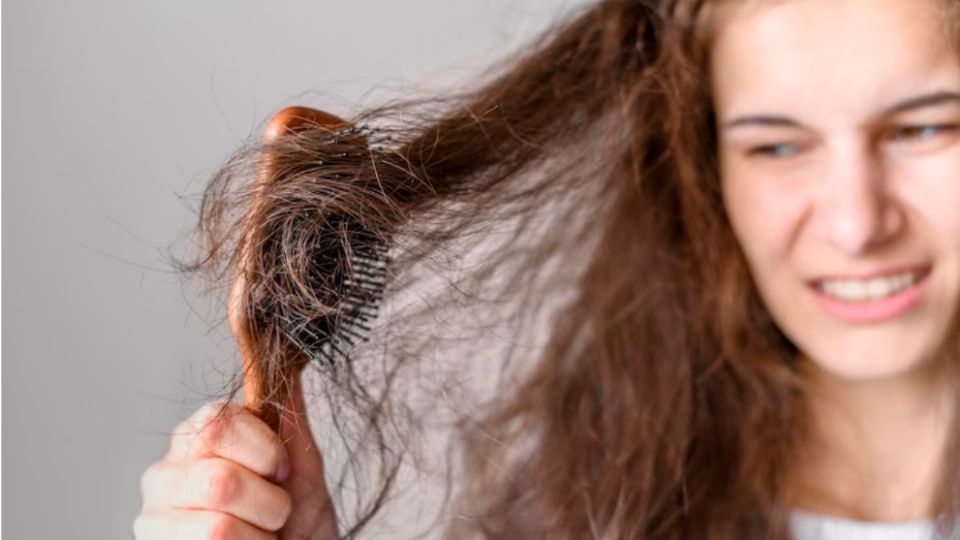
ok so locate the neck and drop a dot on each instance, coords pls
(874, 449)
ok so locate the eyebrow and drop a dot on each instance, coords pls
(917, 102)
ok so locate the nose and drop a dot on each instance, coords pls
(858, 210)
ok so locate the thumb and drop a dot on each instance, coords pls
(313, 516)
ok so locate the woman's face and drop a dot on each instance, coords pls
(839, 134)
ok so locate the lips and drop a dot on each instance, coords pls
(872, 296)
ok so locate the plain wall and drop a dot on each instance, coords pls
(116, 114)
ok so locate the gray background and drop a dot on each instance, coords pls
(113, 111)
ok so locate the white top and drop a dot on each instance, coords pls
(809, 526)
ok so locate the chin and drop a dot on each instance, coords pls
(862, 364)
(869, 352)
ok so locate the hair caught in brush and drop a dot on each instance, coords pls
(589, 161)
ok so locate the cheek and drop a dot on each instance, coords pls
(766, 214)
(932, 192)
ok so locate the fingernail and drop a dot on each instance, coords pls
(283, 469)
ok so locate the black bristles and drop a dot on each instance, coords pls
(330, 339)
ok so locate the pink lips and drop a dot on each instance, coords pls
(874, 310)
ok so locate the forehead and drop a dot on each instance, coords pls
(827, 55)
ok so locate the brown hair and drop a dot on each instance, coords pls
(662, 401)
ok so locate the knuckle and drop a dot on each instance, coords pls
(183, 428)
(141, 526)
(206, 426)
(213, 409)
(189, 427)
(148, 480)
(221, 527)
(221, 483)
(213, 432)
(155, 485)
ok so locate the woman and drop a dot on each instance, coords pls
(761, 249)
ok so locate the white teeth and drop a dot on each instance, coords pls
(869, 289)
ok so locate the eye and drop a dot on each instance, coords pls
(920, 132)
(779, 150)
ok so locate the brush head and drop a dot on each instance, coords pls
(314, 273)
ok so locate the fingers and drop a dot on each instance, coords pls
(195, 525)
(215, 482)
(219, 485)
(232, 433)
(219, 479)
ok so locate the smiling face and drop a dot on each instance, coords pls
(839, 145)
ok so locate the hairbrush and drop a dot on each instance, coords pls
(349, 260)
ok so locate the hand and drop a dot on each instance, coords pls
(231, 477)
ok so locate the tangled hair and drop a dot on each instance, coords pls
(643, 390)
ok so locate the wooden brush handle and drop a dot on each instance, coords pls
(255, 390)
